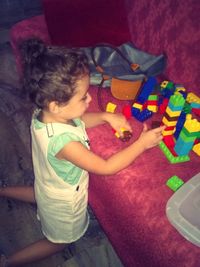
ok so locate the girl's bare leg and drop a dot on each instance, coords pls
(23, 193)
(34, 252)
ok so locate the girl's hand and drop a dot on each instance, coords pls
(118, 122)
(151, 138)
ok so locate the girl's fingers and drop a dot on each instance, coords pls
(159, 129)
(145, 128)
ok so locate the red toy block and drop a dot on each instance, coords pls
(196, 111)
(169, 141)
(127, 111)
(163, 106)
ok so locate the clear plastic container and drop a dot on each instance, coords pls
(183, 210)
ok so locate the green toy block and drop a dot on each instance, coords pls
(187, 108)
(177, 100)
(170, 85)
(174, 183)
(172, 159)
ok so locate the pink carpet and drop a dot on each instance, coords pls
(131, 204)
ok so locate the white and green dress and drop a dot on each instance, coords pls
(61, 188)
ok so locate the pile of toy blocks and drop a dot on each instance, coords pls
(181, 111)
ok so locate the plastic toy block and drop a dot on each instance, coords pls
(196, 149)
(138, 106)
(152, 108)
(173, 113)
(170, 85)
(164, 84)
(169, 128)
(168, 132)
(175, 108)
(180, 123)
(110, 107)
(185, 137)
(197, 141)
(172, 159)
(183, 93)
(153, 97)
(174, 183)
(168, 123)
(195, 105)
(167, 84)
(144, 106)
(147, 89)
(163, 106)
(170, 118)
(192, 98)
(192, 125)
(167, 93)
(126, 135)
(179, 88)
(169, 141)
(177, 100)
(135, 111)
(117, 134)
(127, 111)
(187, 108)
(183, 148)
(188, 134)
(196, 111)
(152, 102)
(143, 115)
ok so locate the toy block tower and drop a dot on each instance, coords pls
(187, 137)
(172, 113)
(139, 108)
(170, 119)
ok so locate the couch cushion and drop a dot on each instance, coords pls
(25, 29)
(170, 26)
(84, 23)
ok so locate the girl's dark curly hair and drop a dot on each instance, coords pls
(51, 73)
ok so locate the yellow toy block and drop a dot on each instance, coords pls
(192, 98)
(169, 123)
(180, 88)
(172, 113)
(110, 107)
(192, 126)
(137, 105)
(164, 84)
(117, 134)
(171, 132)
(196, 149)
(152, 108)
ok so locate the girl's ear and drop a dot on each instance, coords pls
(53, 107)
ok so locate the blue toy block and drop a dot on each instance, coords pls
(180, 123)
(167, 93)
(143, 115)
(174, 108)
(183, 148)
(134, 111)
(184, 94)
(147, 89)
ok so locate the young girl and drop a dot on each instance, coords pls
(57, 81)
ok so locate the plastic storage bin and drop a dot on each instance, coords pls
(183, 210)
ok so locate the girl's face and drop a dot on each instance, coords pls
(79, 103)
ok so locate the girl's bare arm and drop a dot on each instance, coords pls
(79, 155)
